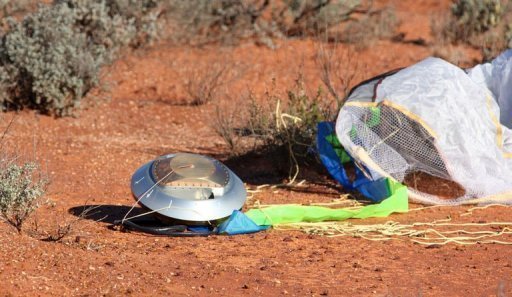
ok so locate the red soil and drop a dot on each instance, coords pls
(90, 160)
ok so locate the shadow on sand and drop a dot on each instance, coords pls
(104, 213)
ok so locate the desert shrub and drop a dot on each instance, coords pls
(8, 75)
(310, 17)
(473, 17)
(338, 70)
(218, 20)
(55, 65)
(228, 21)
(481, 24)
(373, 25)
(116, 23)
(52, 58)
(202, 85)
(21, 187)
(63, 226)
(208, 81)
(283, 127)
(224, 124)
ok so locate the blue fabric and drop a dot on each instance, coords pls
(375, 190)
(239, 223)
(199, 229)
(329, 157)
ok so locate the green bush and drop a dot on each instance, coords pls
(53, 57)
(481, 24)
(20, 192)
(468, 20)
(474, 17)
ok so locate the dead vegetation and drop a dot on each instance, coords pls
(63, 227)
(224, 123)
(338, 69)
(203, 85)
(209, 81)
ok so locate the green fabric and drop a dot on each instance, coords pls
(336, 145)
(353, 133)
(375, 118)
(291, 213)
(373, 121)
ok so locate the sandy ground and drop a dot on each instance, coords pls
(90, 159)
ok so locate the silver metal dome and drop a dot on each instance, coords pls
(188, 187)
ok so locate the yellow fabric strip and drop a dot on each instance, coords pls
(499, 129)
(496, 122)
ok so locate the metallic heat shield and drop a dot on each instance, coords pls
(188, 187)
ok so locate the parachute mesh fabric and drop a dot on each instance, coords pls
(436, 120)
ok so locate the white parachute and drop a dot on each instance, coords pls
(436, 119)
